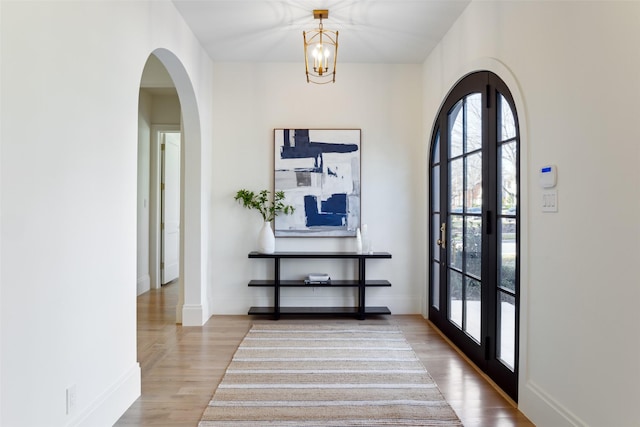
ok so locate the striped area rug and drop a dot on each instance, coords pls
(319, 375)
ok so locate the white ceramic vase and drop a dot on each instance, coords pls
(266, 239)
(358, 241)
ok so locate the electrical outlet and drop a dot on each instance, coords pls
(72, 399)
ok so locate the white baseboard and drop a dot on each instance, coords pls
(193, 315)
(110, 405)
(543, 410)
(144, 284)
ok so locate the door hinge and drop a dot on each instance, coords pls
(162, 187)
(162, 265)
(162, 146)
(162, 226)
(489, 219)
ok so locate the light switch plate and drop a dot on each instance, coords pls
(550, 201)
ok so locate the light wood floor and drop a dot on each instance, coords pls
(182, 366)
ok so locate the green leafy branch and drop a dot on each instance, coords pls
(260, 202)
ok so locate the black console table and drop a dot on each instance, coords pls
(361, 283)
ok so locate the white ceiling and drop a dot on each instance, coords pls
(370, 31)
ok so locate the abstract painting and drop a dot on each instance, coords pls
(319, 172)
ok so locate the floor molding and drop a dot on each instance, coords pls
(110, 405)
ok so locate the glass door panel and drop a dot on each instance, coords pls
(435, 290)
(455, 243)
(456, 185)
(456, 130)
(473, 116)
(473, 246)
(455, 298)
(508, 188)
(507, 128)
(507, 255)
(473, 321)
(506, 329)
(473, 183)
(435, 188)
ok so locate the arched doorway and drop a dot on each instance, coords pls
(189, 310)
(475, 225)
(159, 181)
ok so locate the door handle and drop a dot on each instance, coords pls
(443, 235)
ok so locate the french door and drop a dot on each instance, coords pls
(474, 223)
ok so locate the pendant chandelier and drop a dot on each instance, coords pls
(320, 51)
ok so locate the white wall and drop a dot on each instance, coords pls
(576, 71)
(382, 100)
(1, 198)
(166, 110)
(70, 82)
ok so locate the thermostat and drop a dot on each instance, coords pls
(548, 176)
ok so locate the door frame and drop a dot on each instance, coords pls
(193, 304)
(525, 387)
(504, 74)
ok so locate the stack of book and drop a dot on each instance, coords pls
(318, 279)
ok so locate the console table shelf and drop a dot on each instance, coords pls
(319, 311)
(333, 283)
(361, 284)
